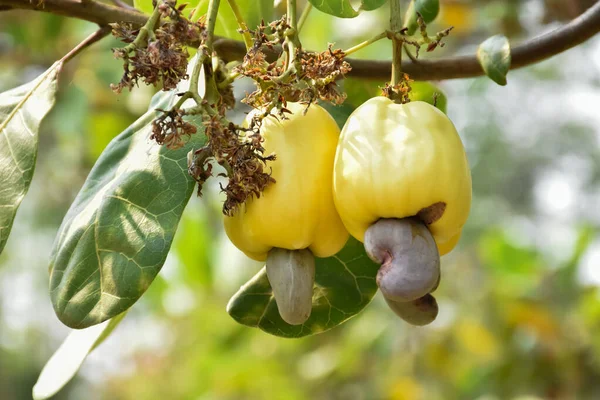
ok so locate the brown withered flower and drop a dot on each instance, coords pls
(171, 130)
(240, 152)
(399, 91)
(158, 57)
(321, 71)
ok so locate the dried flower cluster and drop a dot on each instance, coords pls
(170, 129)
(240, 152)
(313, 75)
(159, 56)
(321, 71)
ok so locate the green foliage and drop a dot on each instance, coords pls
(514, 323)
(343, 8)
(253, 12)
(118, 231)
(360, 90)
(428, 9)
(494, 56)
(429, 93)
(143, 5)
(21, 113)
(69, 357)
(344, 285)
(339, 112)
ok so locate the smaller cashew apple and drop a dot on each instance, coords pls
(402, 186)
(297, 212)
(421, 311)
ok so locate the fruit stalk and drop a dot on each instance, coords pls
(395, 26)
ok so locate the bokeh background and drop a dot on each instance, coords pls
(519, 299)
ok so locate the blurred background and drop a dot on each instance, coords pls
(519, 299)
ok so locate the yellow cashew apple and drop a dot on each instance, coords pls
(398, 161)
(295, 218)
(297, 211)
(402, 186)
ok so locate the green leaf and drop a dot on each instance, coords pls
(344, 285)
(429, 10)
(494, 57)
(66, 361)
(339, 112)
(262, 10)
(429, 93)
(343, 8)
(369, 5)
(144, 6)
(337, 8)
(118, 231)
(22, 110)
(361, 90)
(253, 12)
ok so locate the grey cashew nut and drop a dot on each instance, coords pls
(421, 311)
(409, 258)
(291, 274)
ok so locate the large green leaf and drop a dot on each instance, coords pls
(344, 285)
(494, 56)
(66, 361)
(343, 8)
(118, 231)
(21, 112)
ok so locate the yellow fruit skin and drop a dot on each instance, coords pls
(297, 211)
(394, 160)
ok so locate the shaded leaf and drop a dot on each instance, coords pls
(21, 112)
(66, 361)
(494, 57)
(361, 90)
(339, 112)
(118, 231)
(344, 285)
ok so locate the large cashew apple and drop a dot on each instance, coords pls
(295, 218)
(402, 186)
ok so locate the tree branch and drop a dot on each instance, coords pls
(100, 13)
(529, 52)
